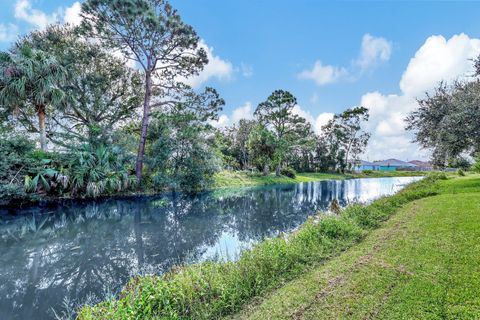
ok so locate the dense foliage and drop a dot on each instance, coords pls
(447, 120)
(277, 138)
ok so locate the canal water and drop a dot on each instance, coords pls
(56, 258)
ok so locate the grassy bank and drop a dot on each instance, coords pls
(212, 290)
(233, 179)
(421, 264)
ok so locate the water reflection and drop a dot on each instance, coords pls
(87, 250)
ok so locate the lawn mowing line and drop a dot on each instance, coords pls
(341, 280)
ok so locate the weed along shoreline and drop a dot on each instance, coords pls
(217, 289)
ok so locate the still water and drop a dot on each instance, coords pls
(80, 252)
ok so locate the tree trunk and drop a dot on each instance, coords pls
(145, 122)
(265, 169)
(41, 127)
(277, 170)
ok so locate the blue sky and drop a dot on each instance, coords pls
(259, 46)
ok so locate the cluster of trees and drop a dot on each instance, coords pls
(107, 104)
(278, 139)
(446, 122)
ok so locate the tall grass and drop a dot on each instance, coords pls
(215, 289)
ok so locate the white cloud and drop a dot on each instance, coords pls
(37, 18)
(323, 74)
(437, 59)
(304, 114)
(72, 14)
(40, 20)
(374, 50)
(222, 122)
(243, 112)
(322, 120)
(318, 122)
(216, 68)
(8, 32)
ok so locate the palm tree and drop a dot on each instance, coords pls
(30, 81)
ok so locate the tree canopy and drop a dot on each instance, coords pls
(152, 34)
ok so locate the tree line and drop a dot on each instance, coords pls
(103, 108)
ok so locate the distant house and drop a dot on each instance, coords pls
(361, 165)
(422, 165)
(393, 165)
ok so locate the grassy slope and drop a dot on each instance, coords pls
(229, 179)
(421, 264)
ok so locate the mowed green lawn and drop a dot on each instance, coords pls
(234, 179)
(423, 263)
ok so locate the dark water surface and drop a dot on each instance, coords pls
(70, 254)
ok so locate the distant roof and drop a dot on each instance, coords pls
(394, 163)
(362, 163)
(421, 163)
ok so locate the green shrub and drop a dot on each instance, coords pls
(460, 172)
(436, 175)
(365, 217)
(96, 171)
(15, 162)
(476, 166)
(367, 172)
(460, 163)
(212, 290)
(12, 193)
(288, 172)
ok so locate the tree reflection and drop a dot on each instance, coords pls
(89, 249)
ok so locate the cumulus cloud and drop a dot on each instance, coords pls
(437, 59)
(8, 32)
(374, 50)
(72, 14)
(37, 18)
(242, 112)
(322, 120)
(323, 74)
(221, 122)
(216, 68)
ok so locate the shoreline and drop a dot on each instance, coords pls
(227, 287)
(255, 181)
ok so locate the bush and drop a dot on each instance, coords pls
(12, 193)
(460, 163)
(476, 166)
(460, 172)
(96, 171)
(367, 172)
(16, 161)
(212, 290)
(436, 175)
(288, 172)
